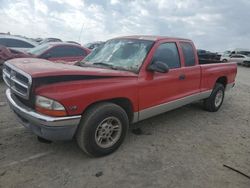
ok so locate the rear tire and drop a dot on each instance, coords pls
(224, 60)
(102, 129)
(214, 102)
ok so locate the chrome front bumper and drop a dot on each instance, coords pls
(51, 128)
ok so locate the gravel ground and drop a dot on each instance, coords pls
(186, 147)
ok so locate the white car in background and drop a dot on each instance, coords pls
(225, 57)
(16, 42)
(240, 59)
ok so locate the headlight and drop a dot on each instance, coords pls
(49, 107)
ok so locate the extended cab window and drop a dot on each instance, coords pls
(188, 52)
(168, 54)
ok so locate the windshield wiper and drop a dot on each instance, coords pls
(106, 65)
(84, 64)
(113, 67)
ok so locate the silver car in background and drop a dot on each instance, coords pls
(17, 42)
(240, 59)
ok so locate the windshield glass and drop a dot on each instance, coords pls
(38, 50)
(127, 54)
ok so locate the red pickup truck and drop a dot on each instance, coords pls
(127, 80)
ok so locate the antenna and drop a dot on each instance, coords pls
(81, 33)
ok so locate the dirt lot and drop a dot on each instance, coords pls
(186, 147)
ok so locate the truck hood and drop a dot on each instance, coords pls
(38, 68)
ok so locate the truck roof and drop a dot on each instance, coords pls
(153, 37)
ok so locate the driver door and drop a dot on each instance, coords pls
(157, 90)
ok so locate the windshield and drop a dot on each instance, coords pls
(38, 50)
(127, 54)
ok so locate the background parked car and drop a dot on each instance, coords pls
(240, 59)
(17, 43)
(241, 51)
(60, 52)
(57, 52)
(38, 40)
(94, 45)
(204, 54)
(225, 57)
(73, 42)
(46, 40)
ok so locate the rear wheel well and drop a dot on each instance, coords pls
(124, 103)
(222, 80)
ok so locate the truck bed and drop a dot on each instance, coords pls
(210, 72)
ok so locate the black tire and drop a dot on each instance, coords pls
(210, 103)
(92, 118)
(224, 60)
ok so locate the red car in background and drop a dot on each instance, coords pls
(62, 52)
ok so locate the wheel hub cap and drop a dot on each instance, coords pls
(108, 132)
(218, 98)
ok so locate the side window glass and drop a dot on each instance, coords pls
(4, 42)
(18, 44)
(55, 52)
(74, 51)
(66, 51)
(188, 52)
(237, 56)
(168, 54)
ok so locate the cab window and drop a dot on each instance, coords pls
(168, 54)
(188, 52)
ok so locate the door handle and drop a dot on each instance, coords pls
(182, 77)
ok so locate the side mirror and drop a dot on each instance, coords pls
(158, 66)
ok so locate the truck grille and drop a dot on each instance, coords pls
(18, 81)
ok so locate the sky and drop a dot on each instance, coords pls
(215, 25)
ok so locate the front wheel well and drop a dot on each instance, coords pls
(222, 80)
(124, 103)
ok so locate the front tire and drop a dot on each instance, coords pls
(102, 129)
(214, 102)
